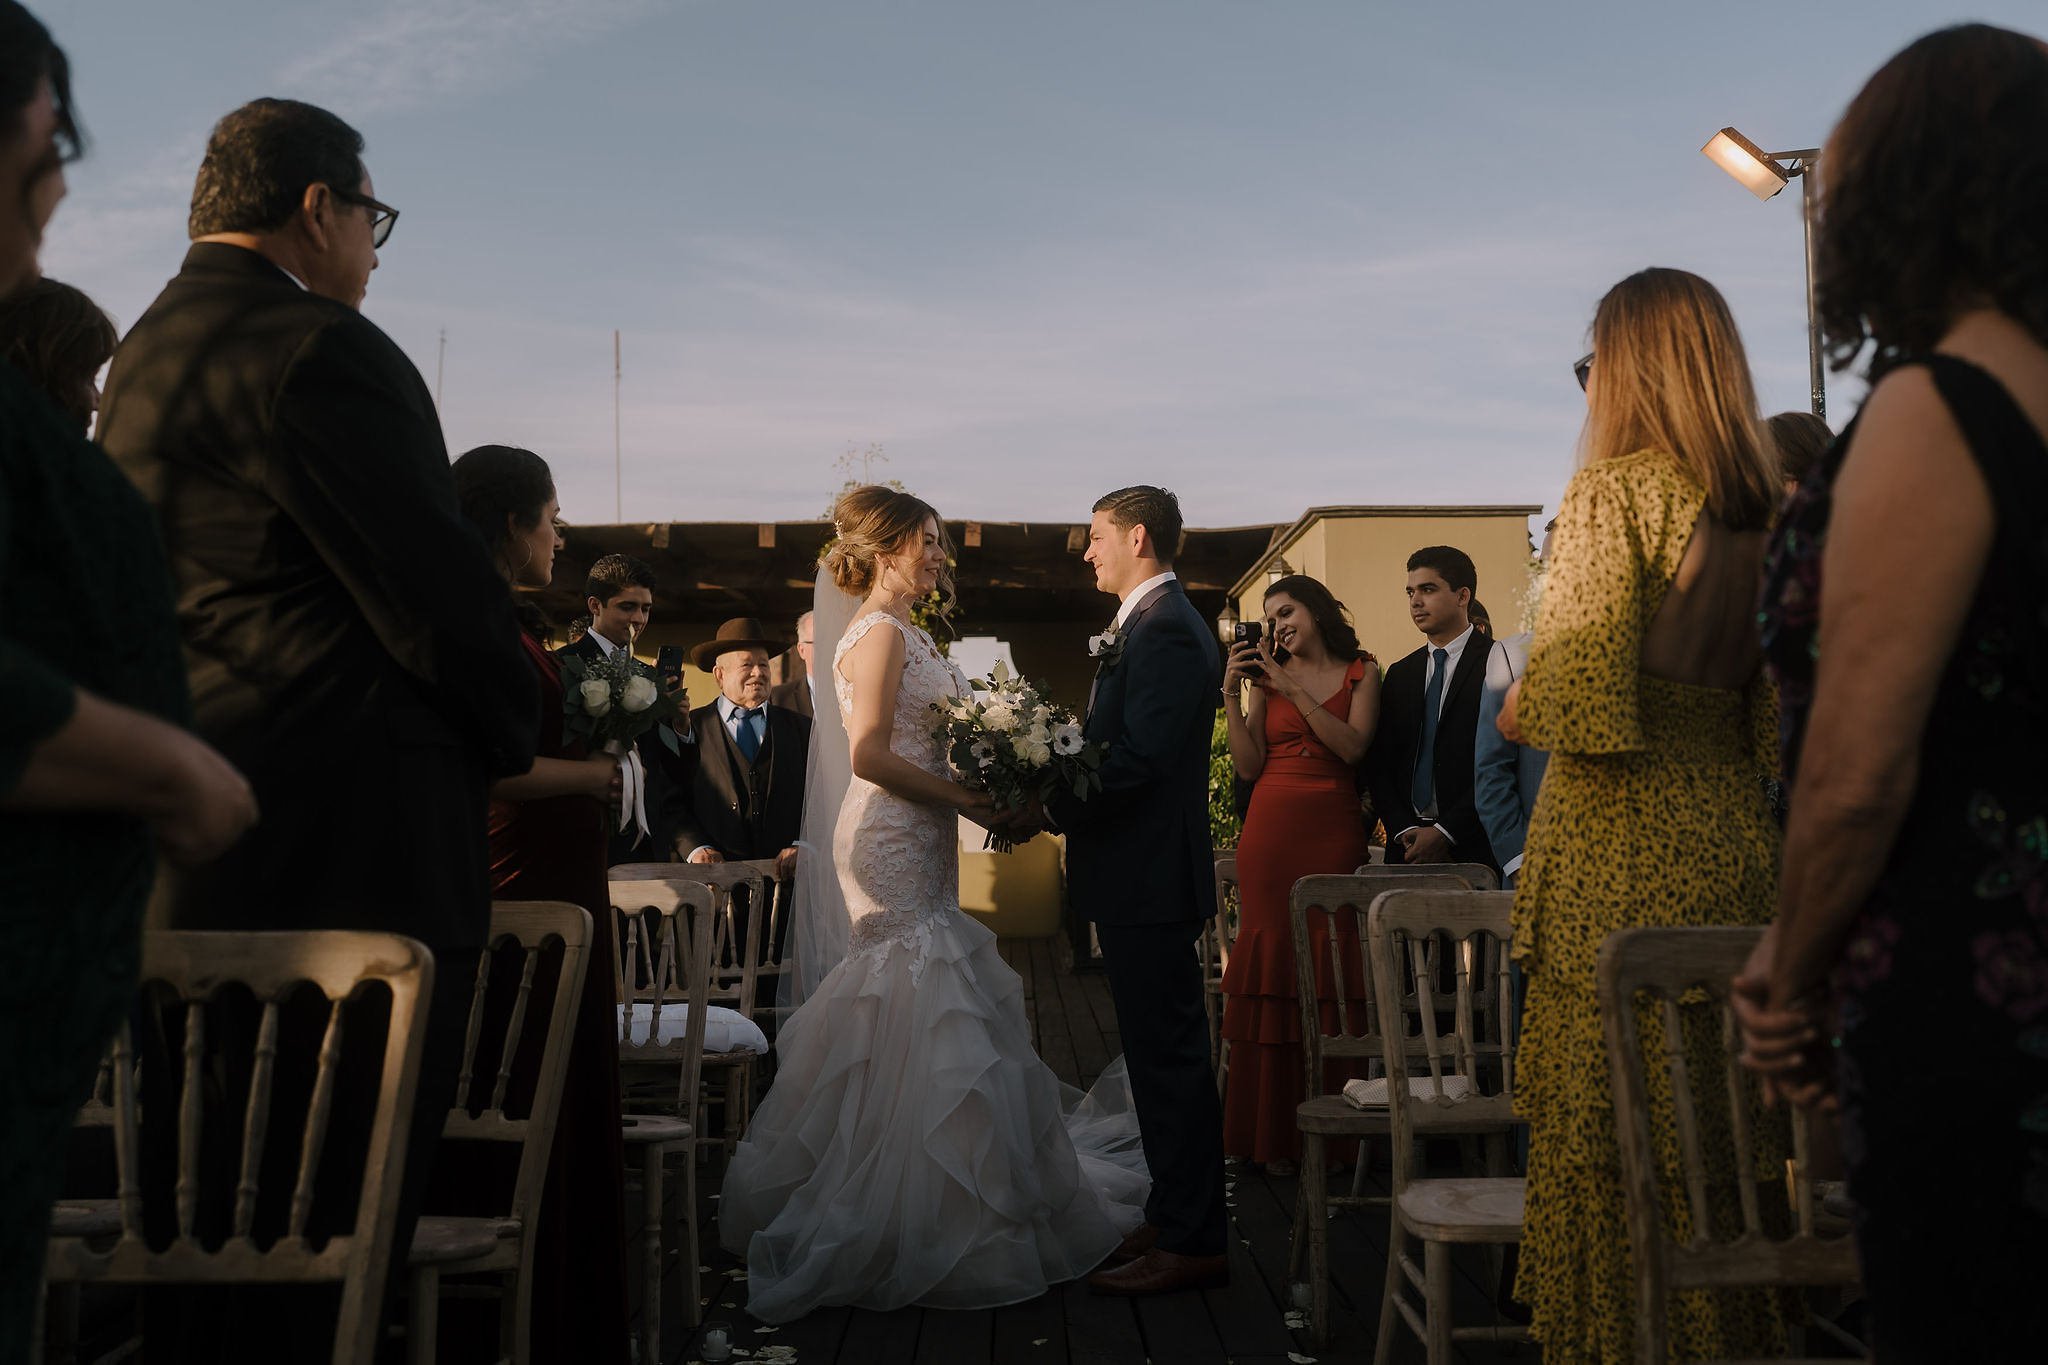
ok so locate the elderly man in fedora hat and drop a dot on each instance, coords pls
(746, 797)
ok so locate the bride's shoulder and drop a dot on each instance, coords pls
(858, 631)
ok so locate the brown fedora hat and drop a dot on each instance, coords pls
(742, 632)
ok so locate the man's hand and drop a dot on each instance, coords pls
(706, 855)
(1424, 844)
(209, 804)
(785, 865)
(1509, 722)
(1790, 1047)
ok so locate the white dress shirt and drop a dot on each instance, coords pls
(1138, 595)
(726, 710)
(1453, 651)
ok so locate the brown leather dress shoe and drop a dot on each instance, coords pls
(1135, 1245)
(1161, 1272)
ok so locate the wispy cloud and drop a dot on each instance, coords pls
(417, 52)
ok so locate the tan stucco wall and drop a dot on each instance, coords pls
(1363, 559)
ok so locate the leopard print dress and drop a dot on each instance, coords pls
(1651, 813)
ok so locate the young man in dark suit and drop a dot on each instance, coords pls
(1141, 866)
(1420, 766)
(351, 647)
(618, 592)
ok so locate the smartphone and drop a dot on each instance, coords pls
(668, 665)
(1248, 633)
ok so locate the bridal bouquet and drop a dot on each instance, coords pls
(611, 702)
(1017, 745)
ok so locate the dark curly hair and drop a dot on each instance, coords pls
(1934, 189)
(497, 485)
(1333, 622)
(261, 160)
(59, 338)
(28, 57)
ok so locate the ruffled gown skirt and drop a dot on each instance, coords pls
(915, 1150)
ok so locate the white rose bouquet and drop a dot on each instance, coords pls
(611, 703)
(1017, 745)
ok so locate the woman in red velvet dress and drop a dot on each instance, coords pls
(1299, 738)
(549, 842)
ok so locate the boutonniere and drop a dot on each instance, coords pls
(1106, 648)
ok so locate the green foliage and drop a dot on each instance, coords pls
(1224, 825)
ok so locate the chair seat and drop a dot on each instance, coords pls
(1464, 1209)
(642, 1130)
(85, 1218)
(441, 1239)
(1330, 1116)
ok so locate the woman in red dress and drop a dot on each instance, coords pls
(549, 842)
(1299, 738)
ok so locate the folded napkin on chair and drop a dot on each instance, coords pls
(1372, 1094)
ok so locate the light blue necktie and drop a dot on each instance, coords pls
(1423, 790)
(749, 741)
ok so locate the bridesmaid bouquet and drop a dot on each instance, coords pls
(1017, 745)
(611, 702)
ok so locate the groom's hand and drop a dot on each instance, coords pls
(1424, 844)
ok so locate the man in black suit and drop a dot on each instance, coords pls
(1140, 865)
(800, 694)
(351, 647)
(1420, 767)
(746, 795)
(619, 594)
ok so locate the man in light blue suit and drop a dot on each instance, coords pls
(1505, 775)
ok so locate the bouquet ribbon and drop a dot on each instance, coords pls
(632, 789)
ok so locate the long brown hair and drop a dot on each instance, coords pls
(875, 520)
(1333, 622)
(59, 338)
(1670, 375)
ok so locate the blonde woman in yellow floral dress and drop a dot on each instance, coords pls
(1644, 684)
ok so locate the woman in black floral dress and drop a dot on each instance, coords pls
(1906, 615)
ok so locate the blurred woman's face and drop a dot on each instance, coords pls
(531, 551)
(31, 184)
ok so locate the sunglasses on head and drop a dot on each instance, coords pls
(1582, 368)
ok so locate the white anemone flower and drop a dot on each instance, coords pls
(1067, 739)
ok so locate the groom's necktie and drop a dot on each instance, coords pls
(1423, 791)
(747, 739)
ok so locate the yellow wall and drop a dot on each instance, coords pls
(1363, 560)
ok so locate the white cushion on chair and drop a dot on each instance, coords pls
(1372, 1094)
(724, 1030)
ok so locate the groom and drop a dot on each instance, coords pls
(1141, 866)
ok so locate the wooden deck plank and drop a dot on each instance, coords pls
(1031, 1333)
(953, 1337)
(1248, 1317)
(1177, 1327)
(880, 1336)
(1100, 1331)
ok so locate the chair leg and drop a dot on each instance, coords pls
(1297, 1240)
(1363, 1160)
(651, 1200)
(1316, 1199)
(693, 1309)
(1397, 1247)
(60, 1324)
(423, 1319)
(1436, 1293)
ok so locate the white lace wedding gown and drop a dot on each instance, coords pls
(914, 1149)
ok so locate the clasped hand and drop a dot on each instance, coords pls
(1017, 825)
(1789, 1045)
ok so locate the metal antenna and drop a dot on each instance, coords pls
(618, 475)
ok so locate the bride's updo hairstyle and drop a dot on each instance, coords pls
(873, 522)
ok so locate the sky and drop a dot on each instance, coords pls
(1271, 256)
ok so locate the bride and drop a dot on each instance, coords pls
(913, 1149)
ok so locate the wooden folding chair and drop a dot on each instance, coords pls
(678, 919)
(1478, 876)
(1470, 1090)
(735, 970)
(444, 1245)
(1338, 904)
(1664, 965)
(769, 965)
(193, 967)
(1219, 937)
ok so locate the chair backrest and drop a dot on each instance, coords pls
(678, 971)
(736, 951)
(191, 968)
(1221, 937)
(1336, 906)
(1478, 876)
(1468, 931)
(1664, 965)
(533, 926)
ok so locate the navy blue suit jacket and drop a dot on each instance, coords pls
(1138, 851)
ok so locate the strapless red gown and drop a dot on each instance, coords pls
(1304, 819)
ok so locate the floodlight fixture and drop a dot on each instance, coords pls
(1764, 174)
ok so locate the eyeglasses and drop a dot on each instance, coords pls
(1582, 368)
(382, 216)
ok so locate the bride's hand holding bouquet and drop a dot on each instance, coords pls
(1019, 747)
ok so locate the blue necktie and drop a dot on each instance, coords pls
(1423, 790)
(749, 742)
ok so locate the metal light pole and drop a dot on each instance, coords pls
(1763, 174)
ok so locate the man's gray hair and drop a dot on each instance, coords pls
(804, 621)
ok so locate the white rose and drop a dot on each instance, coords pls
(597, 696)
(1041, 715)
(1067, 739)
(1039, 734)
(640, 694)
(999, 718)
(1034, 752)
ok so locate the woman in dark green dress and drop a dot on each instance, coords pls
(95, 773)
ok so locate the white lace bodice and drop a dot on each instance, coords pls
(898, 860)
